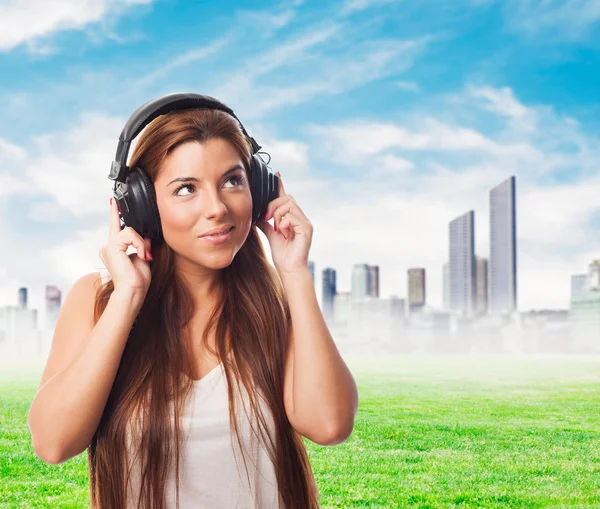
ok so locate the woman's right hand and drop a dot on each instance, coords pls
(130, 273)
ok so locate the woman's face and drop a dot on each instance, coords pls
(204, 199)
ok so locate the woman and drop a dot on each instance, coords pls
(210, 354)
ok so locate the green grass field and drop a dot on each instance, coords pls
(447, 432)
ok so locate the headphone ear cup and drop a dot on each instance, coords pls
(140, 210)
(265, 187)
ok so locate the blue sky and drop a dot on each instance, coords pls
(386, 119)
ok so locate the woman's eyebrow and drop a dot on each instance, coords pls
(194, 179)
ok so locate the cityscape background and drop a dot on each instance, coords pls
(445, 152)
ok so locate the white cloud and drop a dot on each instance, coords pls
(46, 211)
(566, 209)
(334, 72)
(499, 100)
(11, 184)
(72, 167)
(290, 51)
(352, 6)
(556, 19)
(288, 157)
(391, 164)
(245, 24)
(26, 21)
(193, 55)
(10, 150)
(12, 157)
(408, 86)
(82, 252)
(267, 21)
(546, 139)
(238, 87)
(364, 138)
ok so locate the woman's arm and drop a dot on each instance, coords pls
(80, 371)
(322, 396)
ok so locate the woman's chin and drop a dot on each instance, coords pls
(218, 261)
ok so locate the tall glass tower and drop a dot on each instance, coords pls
(373, 289)
(329, 291)
(481, 278)
(53, 298)
(503, 248)
(23, 298)
(360, 281)
(416, 289)
(462, 266)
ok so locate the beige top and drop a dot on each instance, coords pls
(209, 474)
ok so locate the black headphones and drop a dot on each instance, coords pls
(133, 189)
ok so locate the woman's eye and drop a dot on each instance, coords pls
(182, 187)
(237, 179)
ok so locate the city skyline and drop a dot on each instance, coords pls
(461, 233)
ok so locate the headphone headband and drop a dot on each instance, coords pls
(148, 111)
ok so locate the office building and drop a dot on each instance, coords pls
(462, 267)
(503, 248)
(481, 278)
(329, 291)
(416, 289)
(360, 281)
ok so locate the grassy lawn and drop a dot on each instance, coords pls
(447, 432)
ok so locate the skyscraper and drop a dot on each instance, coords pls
(462, 263)
(360, 281)
(53, 297)
(481, 277)
(373, 288)
(329, 291)
(503, 248)
(446, 286)
(22, 298)
(416, 289)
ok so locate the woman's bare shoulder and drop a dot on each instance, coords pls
(93, 281)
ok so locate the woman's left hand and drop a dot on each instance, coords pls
(291, 241)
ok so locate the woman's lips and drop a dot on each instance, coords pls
(218, 239)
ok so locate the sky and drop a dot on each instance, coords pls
(386, 119)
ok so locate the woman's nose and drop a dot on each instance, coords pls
(213, 204)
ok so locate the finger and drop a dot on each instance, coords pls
(148, 243)
(281, 188)
(286, 225)
(275, 204)
(135, 259)
(115, 222)
(280, 211)
(129, 237)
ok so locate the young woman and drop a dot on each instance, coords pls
(155, 365)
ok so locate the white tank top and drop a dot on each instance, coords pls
(209, 475)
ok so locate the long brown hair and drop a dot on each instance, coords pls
(252, 323)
